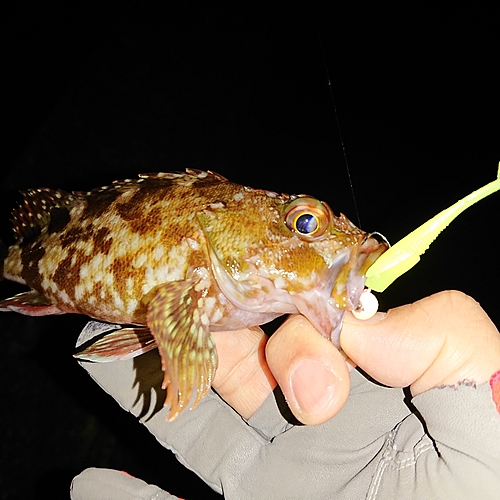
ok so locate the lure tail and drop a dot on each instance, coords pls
(406, 252)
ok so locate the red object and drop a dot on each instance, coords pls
(495, 389)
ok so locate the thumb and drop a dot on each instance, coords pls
(310, 370)
(443, 339)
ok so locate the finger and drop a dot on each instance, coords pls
(443, 339)
(311, 372)
(243, 378)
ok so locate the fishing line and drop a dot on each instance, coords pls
(337, 120)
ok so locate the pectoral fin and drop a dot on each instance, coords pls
(188, 354)
(120, 344)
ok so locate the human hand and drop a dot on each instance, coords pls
(443, 339)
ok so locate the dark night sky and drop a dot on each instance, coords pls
(101, 94)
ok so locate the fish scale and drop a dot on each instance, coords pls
(174, 256)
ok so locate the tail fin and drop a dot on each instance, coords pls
(3, 255)
(39, 208)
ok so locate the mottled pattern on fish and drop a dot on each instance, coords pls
(182, 254)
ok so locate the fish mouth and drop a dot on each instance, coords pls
(326, 305)
(373, 246)
(351, 280)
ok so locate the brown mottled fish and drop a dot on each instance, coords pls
(178, 255)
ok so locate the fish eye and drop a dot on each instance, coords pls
(307, 217)
(306, 223)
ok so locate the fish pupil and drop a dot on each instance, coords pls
(306, 223)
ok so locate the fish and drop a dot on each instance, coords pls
(174, 256)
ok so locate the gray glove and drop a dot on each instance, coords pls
(373, 448)
(106, 484)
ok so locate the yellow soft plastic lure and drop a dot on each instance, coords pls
(406, 253)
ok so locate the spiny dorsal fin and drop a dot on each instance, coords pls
(189, 177)
(190, 174)
(34, 212)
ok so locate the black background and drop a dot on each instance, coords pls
(95, 94)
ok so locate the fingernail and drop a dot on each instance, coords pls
(313, 385)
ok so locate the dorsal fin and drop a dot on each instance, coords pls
(190, 174)
(34, 212)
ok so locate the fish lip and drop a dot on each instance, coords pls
(377, 237)
(348, 288)
(373, 246)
